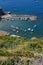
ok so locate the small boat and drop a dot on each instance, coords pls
(34, 26)
(25, 30)
(17, 27)
(12, 26)
(12, 19)
(17, 31)
(32, 30)
(29, 29)
(14, 30)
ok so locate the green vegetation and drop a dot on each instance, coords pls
(19, 45)
(14, 47)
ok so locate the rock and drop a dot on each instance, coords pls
(0, 18)
(7, 16)
(3, 33)
(33, 38)
(1, 12)
(14, 36)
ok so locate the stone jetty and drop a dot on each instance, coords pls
(11, 16)
(25, 17)
(19, 17)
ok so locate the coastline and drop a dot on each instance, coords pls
(4, 33)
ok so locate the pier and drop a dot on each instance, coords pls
(9, 15)
(19, 17)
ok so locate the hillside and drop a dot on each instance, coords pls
(19, 47)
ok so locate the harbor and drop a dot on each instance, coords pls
(21, 24)
(21, 32)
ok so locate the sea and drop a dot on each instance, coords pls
(23, 28)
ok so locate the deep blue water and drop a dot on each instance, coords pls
(23, 6)
(32, 7)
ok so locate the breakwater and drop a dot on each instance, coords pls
(19, 17)
(9, 15)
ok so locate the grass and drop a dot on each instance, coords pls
(19, 46)
(23, 45)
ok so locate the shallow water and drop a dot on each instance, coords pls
(18, 27)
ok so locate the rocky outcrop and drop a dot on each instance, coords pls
(3, 33)
(1, 12)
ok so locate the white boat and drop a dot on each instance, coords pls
(14, 36)
(17, 27)
(12, 19)
(34, 26)
(32, 30)
(12, 26)
(24, 30)
(17, 31)
(14, 30)
(29, 29)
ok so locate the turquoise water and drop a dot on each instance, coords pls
(32, 7)
(21, 28)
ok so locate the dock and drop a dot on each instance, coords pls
(19, 17)
(9, 15)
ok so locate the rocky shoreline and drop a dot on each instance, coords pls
(3, 33)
